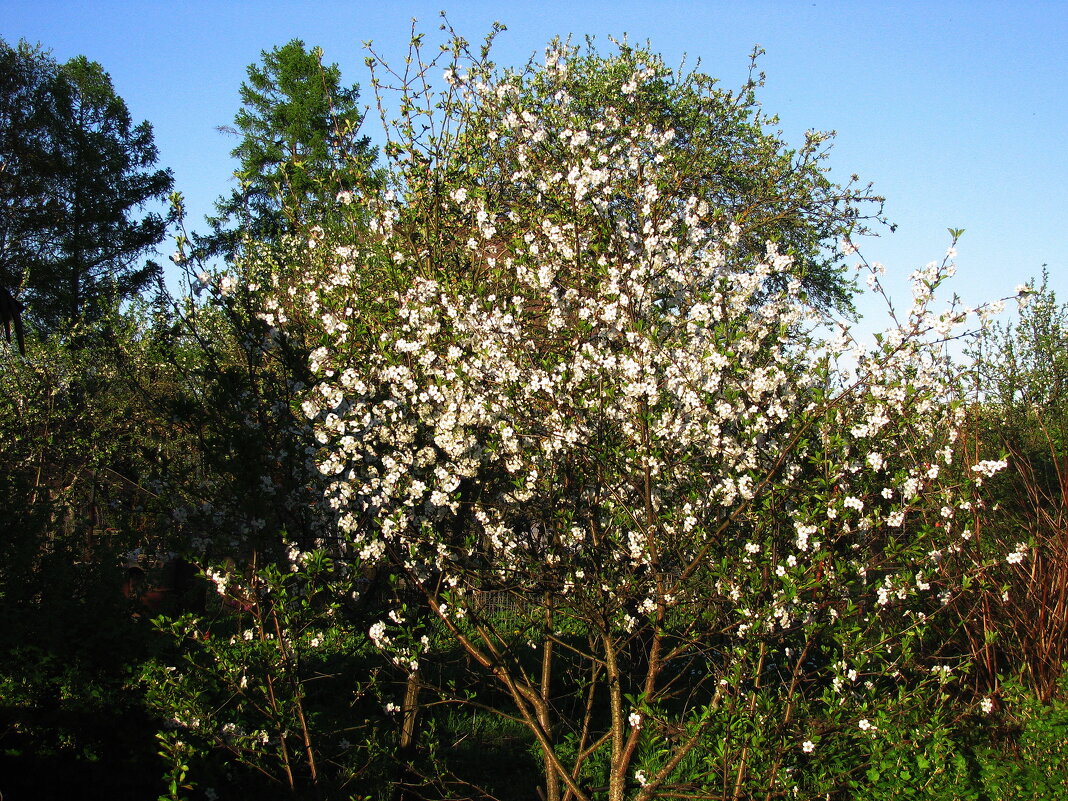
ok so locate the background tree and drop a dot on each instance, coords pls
(79, 175)
(299, 147)
(104, 176)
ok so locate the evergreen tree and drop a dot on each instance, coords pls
(299, 147)
(104, 175)
(77, 176)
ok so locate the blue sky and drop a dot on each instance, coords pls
(956, 111)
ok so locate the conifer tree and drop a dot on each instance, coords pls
(77, 175)
(299, 147)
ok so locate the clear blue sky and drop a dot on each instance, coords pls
(957, 111)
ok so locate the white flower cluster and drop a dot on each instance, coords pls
(988, 468)
(1018, 555)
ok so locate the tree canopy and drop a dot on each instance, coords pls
(724, 154)
(77, 175)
